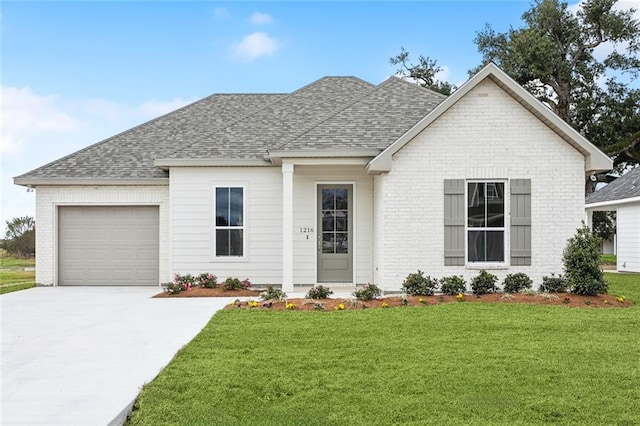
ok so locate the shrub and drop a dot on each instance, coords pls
(367, 292)
(453, 285)
(208, 280)
(581, 258)
(514, 283)
(20, 237)
(554, 284)
(273, 294)
(172, 288)
(185, 281)
(484, 282)
(236, 284)
(319, 292)
(419, 285)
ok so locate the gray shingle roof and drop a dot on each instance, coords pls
(626, 186)
(330, 113)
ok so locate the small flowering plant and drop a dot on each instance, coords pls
(182, 283)
(236, 284)
(339, 307)
(290, 306)
(252, 304)
(620, 299)
(367, 292)
(460, 297)
(319, 292)
(422, 301)
(384, 305)
(208, 280)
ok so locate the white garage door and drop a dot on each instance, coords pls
(102, 245)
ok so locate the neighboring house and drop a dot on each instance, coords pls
(623, 197)
(341, 182)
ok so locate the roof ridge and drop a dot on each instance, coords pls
(337, 111)
(255, 111)
(127, 131)
(395, 77)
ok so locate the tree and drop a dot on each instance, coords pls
(423, 73)
(553, 56)
(20, 237)
(604, 225)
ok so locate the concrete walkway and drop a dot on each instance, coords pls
(79, 355)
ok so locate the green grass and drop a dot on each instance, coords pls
(607, 259)
(471, 364)
(13, 277)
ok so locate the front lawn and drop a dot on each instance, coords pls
(460, 363)
(12, 275)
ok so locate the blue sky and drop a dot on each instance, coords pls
(74, 73)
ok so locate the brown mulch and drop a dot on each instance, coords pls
(562, 299)
(212, 292)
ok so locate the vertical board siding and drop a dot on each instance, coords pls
(454, 215)
(520, 219)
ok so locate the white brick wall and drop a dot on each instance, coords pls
(48, 198)
(487, 134)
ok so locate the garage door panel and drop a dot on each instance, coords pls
(108, 245)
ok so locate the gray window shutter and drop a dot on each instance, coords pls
(454, 222)
(520, 222)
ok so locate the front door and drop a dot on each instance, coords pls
(335, 236)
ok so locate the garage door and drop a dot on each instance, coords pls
(108, 245)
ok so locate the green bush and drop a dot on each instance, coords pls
(419, 285)
(184, 281)
(319, 292)
(514, 283)
(581, 258)
(453, 285)
(208, 280)
(367, 292)
(483, 283)
(554, 284)
(273, 294)
(236, 284)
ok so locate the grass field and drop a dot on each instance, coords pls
(445, 364)
(12, 275)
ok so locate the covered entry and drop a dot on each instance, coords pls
(108, 245)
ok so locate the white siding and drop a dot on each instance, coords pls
(628, 233)
(486, 135)
(192, 222)
(48, 198)
(305, 179)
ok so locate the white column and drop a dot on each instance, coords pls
(590, 219)
(287, 227)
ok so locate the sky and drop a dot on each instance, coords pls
(74, 73)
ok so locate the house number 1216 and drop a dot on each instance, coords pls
(306, 230)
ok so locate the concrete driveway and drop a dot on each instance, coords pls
(79, 355)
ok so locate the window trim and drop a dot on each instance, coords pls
(215, 227)
(504, 228)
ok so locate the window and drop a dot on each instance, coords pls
(485, 221)
(229, 229)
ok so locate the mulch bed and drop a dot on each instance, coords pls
(562, 299)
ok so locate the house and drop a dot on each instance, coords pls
(341, 182)
(623, 197)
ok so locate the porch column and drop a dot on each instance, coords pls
(590, 219)
(287, 227)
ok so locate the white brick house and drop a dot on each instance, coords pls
(341, 183)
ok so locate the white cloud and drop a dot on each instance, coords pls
(156, 108)
(26, 114)
(37, 129)
(253, 46)
(259, 18)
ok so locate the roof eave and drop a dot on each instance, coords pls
(609, 203)
(277, 157)
(166, 163)
(42, 181)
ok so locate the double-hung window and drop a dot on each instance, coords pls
(485, 222)
(229, 228)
